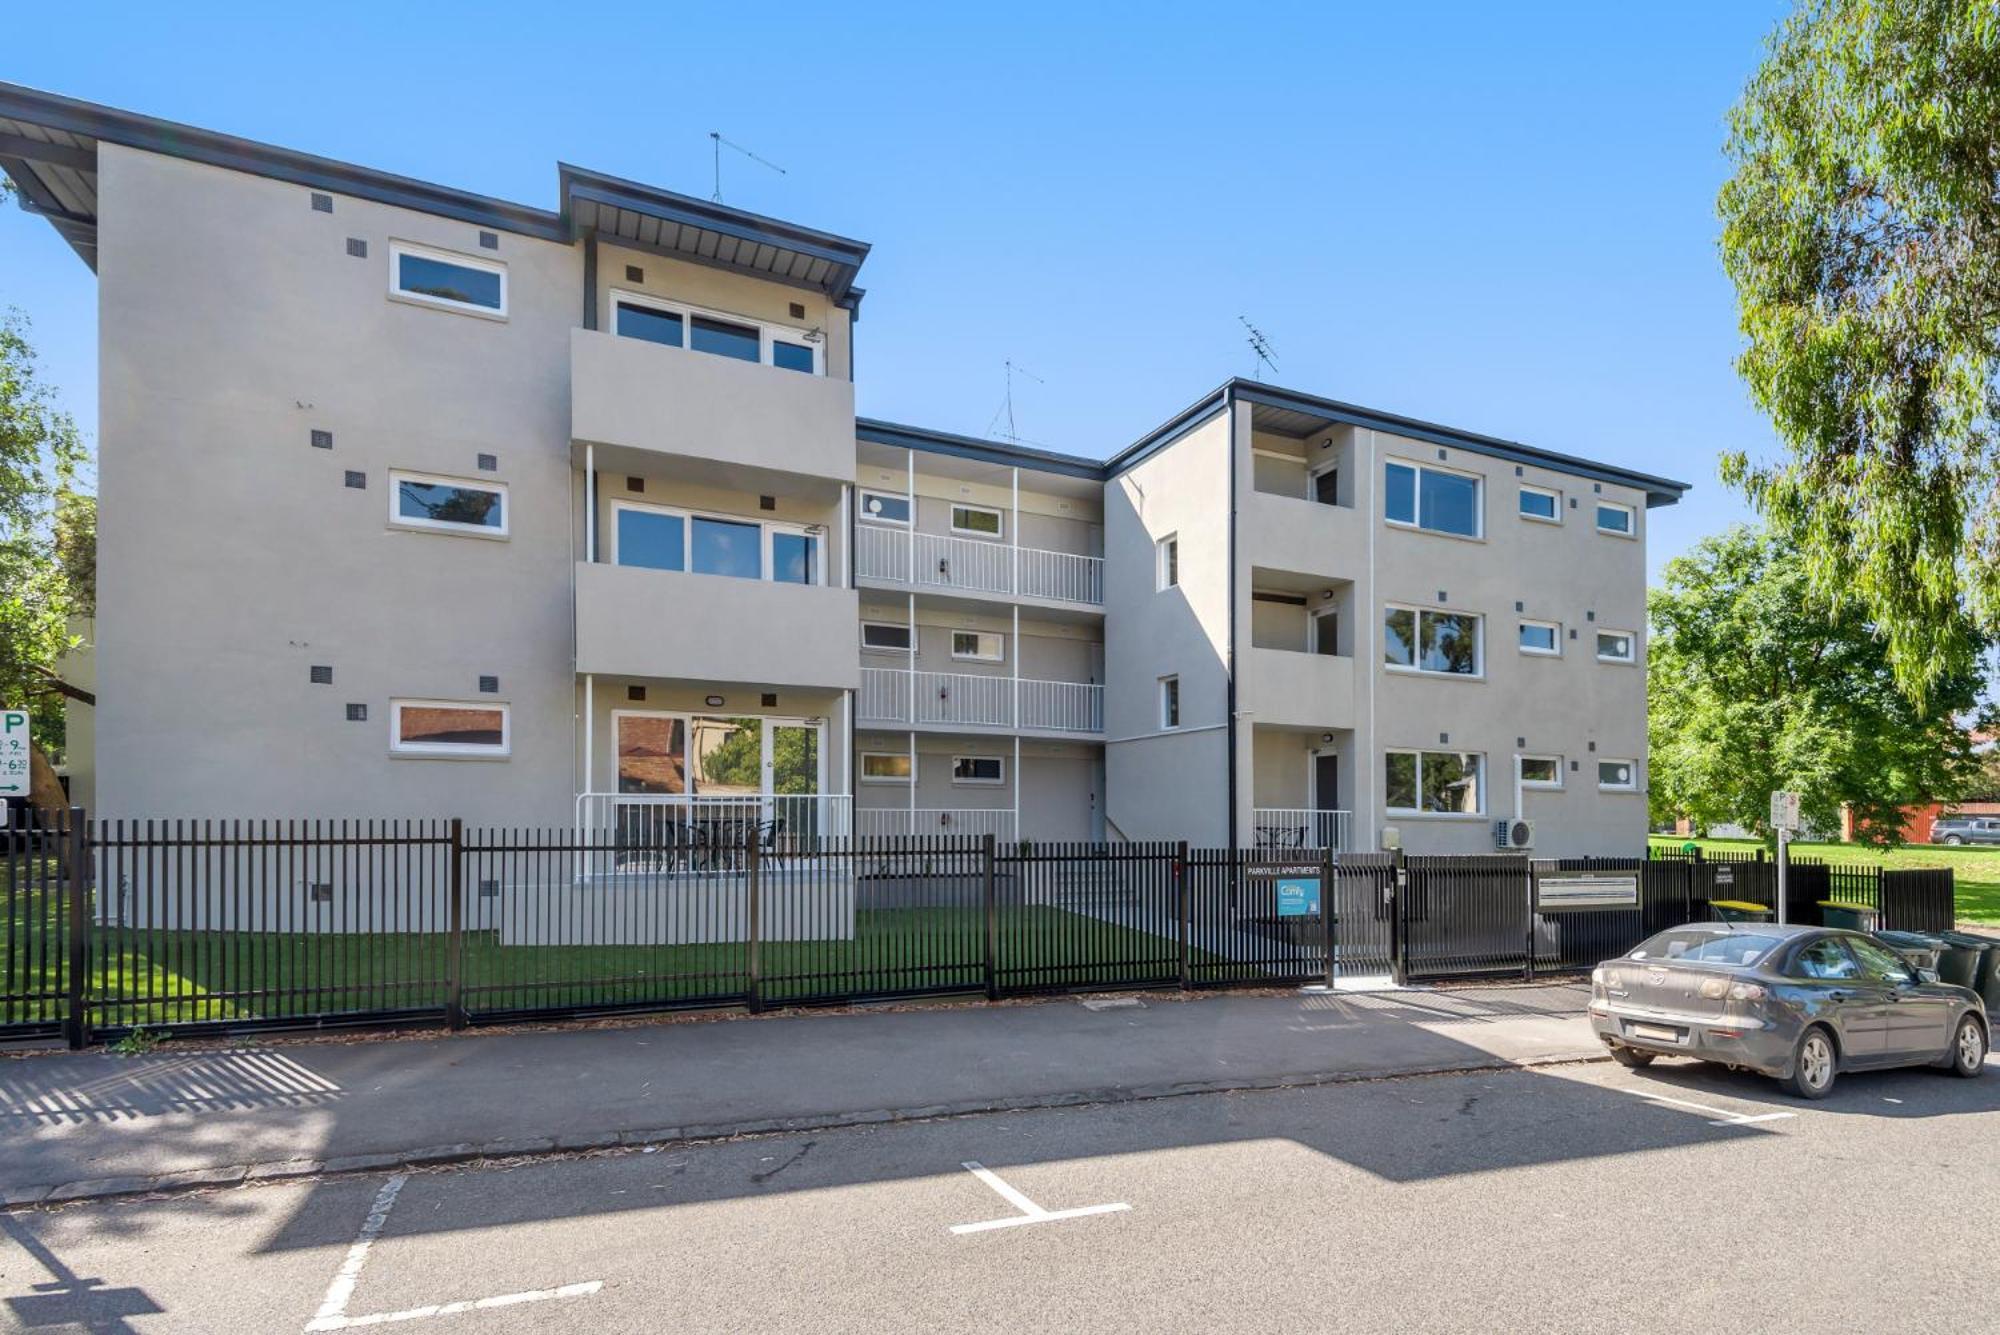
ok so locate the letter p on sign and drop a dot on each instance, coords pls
(13, 753)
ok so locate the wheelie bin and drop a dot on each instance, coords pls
(1919, 948)
(1854, 917)
(1740, 910)
(1962, 955)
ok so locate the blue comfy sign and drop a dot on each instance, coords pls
(1298, 896)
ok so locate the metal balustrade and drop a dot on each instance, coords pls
(1303, 827)
(900, 695)
(908, 822)
(934, 561)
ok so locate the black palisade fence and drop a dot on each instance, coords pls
(222, 925)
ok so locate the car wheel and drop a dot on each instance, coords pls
(1968, 1048)
(1632, 1057)
(1814, 1065)
(1953, 840)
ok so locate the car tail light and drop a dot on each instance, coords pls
(1597, 977)
(1714, 989)
(1746, 992)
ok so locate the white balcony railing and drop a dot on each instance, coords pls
(899, 695)
(1301, 827)
(713, 830)
(929, 560)
(906, 822)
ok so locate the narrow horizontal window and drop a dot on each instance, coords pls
(451, 505)
(884, 507)
(977, 519)
(885, 635)
(1540, 503)
(979, 645)
(1428, 641)
(1435, 782)
(1541, 771)
(445, 728)
(1617, 775)
(1431, 498)
(1614, 646)
(725, 338)
(978, 769)
(1541, 637)
(887, 767)
(1614, 518)
(651, 324)
(440, 278)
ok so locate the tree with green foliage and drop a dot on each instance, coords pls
(43, 517)
(1862, 230)
(1752, 686)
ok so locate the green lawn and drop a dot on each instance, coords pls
(168, 977)
(1976, 871)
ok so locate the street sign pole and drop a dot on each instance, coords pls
(1784, 843)
(1785, 820)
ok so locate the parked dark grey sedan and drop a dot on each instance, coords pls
(1798, 1003)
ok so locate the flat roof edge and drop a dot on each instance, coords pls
(901, 436)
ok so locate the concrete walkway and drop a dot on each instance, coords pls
(92, 1124)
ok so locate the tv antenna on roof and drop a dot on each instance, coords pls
(720, 144)
(1260, 346)
(1006, 408)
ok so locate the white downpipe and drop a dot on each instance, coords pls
(1015, 659)
(912, 613)
(910, 498)
(589, 503)
(1520, 813)
(846, 537)
(1371, 620)
(1014, 557)
(1017, 785)
(589, 732)
(912, 743)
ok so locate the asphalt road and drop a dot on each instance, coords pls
(1582, 1197)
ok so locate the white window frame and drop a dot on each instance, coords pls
(1631, 513)
(1478, 672)
(397, 292)
(460, 750)
(1418, 812)
(890, 780)
(1167, 562)
(1554, 626)
(861, 507)
(1412, 524)
(767, 330)
(1551, 493)
(767, 529)
(1546, 785)
(998, 656)
(1171, 681)
(1629, 658)
(908, 631)
(768, 724)
(999, 764)
(1632, 767)
(397, 519)
(1000, 516)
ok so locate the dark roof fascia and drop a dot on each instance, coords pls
(1659, 490)
(968, 447)
(283, 164)
(1195, 415)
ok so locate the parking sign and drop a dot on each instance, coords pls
(13, 753)
(1785, 812)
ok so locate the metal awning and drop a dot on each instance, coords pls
(56, 173)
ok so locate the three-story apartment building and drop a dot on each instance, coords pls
(417, 501)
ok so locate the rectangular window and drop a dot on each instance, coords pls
(981, 646)
(725, 338)
(652, 753)
(1170, 702)
(1615, 518)
(651, 538)
(1435, 782)
(449, 505)
(1619, 776)
(445, 728)
(1614, 646)
(978, 769)
(1168, 563)
(726, 547)
(791, 356)
(652, 324)
(635, 315)
(1423, 497)
(1326, 486)
(441, 278)
(1428, 641)
(794, 557)
(1541, 637)
(977, 519)
(887, 767)
(884, 507)
(1541, 772)
(1542, 504)
(887, 636)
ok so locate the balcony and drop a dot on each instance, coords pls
(1289, 688)
(966, 565)
(637, 622)
(629, 393)
(1303, 827)
(957, 822)
(967, 700)
(1291, 533)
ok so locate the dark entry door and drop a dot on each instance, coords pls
(1326, 800)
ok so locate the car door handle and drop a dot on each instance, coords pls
(1841, 995)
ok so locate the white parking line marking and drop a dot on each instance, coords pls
(1031, 1213)
(332, 1314)
(1722, 1116)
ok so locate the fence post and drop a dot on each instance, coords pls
(1184, 913)
(1528, 958)
(754, 880)
(76, 852)
(1399, 943)
(1327, 900)
(990, 901)
(454, 951)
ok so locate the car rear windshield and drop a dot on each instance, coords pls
(1684, 945)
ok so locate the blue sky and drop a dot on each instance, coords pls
(1497, 217)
